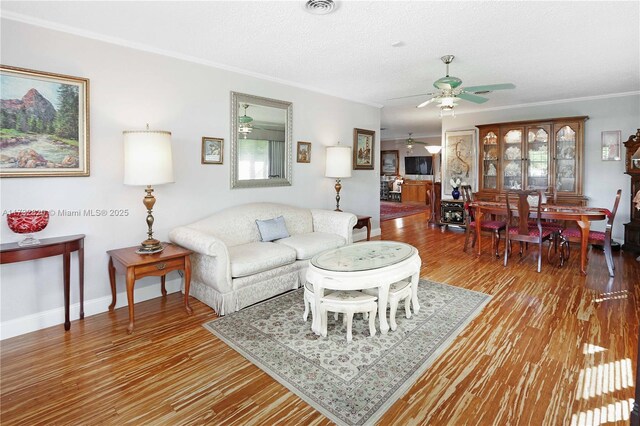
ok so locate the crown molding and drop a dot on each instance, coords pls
(552, 102)
(405, 137)
(18, 17)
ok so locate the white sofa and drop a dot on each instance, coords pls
(231, 267)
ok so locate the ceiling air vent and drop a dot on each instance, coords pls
(320, 7)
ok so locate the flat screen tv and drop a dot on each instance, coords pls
(417, 165)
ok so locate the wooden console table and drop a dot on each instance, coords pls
(12, 252)
(135, 266)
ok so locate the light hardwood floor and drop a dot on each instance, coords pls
(550, 348)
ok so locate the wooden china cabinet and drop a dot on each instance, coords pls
(536, 154)
(632, 167)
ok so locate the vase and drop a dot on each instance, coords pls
(28, 222)
(455, 193)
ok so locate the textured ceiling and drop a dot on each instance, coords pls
(549, 50)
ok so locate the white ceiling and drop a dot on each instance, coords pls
(549, 50)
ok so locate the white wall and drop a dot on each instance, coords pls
(418, 150)
(601, 178)
(128, 89)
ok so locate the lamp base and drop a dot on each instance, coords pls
(338, 187)
(150, 246)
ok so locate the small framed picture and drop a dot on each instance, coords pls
(303, 152)
(212, 150)
(611, 145)
(363, 149)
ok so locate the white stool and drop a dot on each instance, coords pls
(310, 303)
(397, 292)
(349, 302)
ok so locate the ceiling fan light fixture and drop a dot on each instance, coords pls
(447, 102)
(410, 142)
(444, 111)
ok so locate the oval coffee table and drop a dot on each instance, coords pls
(371, 264)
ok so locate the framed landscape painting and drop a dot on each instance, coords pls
(363, 149)
(44, 124)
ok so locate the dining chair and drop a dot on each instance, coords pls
(552, 225)
(494, 227)
(519, 228)
(573, 235)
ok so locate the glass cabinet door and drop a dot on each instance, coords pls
(538, 157)
(489, 153)
(565, 167)
(512, 159)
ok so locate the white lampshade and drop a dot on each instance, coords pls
(147, 157)
(338, 162)
(433, 149)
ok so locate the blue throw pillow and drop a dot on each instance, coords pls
(272, 229)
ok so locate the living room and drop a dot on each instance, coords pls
(173, 66)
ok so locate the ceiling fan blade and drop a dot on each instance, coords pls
(425, 103)
(411, 96)
(472, 98)
(489, 87)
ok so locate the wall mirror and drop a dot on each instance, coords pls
(261, 147)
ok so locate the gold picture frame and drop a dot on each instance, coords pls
(212, 150)
(364, 142)
(303, 152)
(44, 131)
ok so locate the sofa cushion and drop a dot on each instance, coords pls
(251, 258)
(308, 245)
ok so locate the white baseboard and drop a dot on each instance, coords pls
(361, 234)
(33, 322)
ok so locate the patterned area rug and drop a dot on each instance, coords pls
(350, 383)
(393, 210)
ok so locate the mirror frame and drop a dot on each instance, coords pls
(240, 98)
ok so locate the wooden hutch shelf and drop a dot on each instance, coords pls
(536, 154)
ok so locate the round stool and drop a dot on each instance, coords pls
(348, 303)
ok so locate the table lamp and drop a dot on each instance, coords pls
(147, 161)
(338, 166)
(433, 150)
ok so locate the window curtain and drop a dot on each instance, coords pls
(276, 159)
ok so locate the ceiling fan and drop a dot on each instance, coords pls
(449, 90)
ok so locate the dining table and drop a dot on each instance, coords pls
(583, 216)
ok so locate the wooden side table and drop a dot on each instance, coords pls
(12, 252)
(135, 266)
(364, 222)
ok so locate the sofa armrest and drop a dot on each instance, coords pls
(332, 222)
(213, 256)
(198, 241)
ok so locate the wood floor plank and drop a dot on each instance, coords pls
(550, 348)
